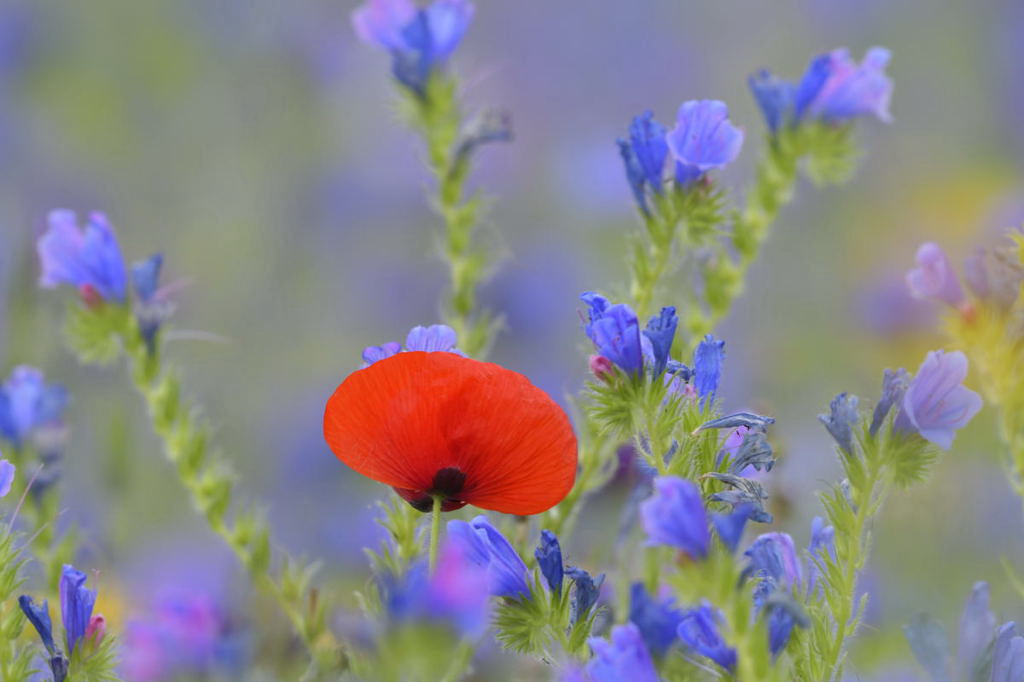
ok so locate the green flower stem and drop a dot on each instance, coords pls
(16, 661)
(435, 531)
(40, 512)
(206, 478)
(436, 116)
(651, 258)
(724, 277)
(840, 612)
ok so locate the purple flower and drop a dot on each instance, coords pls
(675, 516)
(1008, 655)
(936, 403)
(39, 617)
(840, 420)
(150, 312)
(146, 277)
(435, 338)
(457, 592)
(7, 471)
(657, 620)
(372, 354)
(730, 526)
(823, 542)
(482, 544)
(643, 155)
(615, 331)
(836, 89)
(549, 559)
(27, 403)
(703, 139)
(585, 591)
(894, 385)
(623, 658)
(774, 562)
(661, 332)
(707, 367)
(186, 634)
(381, 22)
(774, 97)
(418, 39)
(76, 602)
(934, 277)
(90, 259)
(698, 629)
(977, 629)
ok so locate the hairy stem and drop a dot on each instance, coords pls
(206, 478)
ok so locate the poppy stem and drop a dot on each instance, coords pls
(435, 531)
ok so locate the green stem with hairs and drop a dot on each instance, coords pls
(436, 116)
(100, 335)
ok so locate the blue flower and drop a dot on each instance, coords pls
(661, 332)
(936, 404)
(775, 98)
(656, 620)
(894, 385)
(549, 558)
(7, 471)
(435, 338)
(615, 331)
(1008, 655)
(146, 277)
(457, 593)
(482, 544)
(698, 629)
(76, 602)
(774, 561)
(707, 367)
(586, 590)
(730, 526)
(823, 542)
(703, 140)
(624, 658)
(39, 616)
(150, 313)
(643, 155)
(836, 89)
(934, 277)
(419, 39)
(780, 628)
(90, 259)
(840, 420)
(675, 516)
(372, 354)
(27, 403)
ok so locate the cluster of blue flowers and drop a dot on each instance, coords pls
(703, 140)
(615, 332)
(834, 89)
(80, 626)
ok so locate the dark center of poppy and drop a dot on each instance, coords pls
(447, 484)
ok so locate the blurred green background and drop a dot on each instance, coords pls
(256, 145)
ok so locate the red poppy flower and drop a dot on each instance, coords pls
(440, 424)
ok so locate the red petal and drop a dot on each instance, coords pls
(402, 419)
